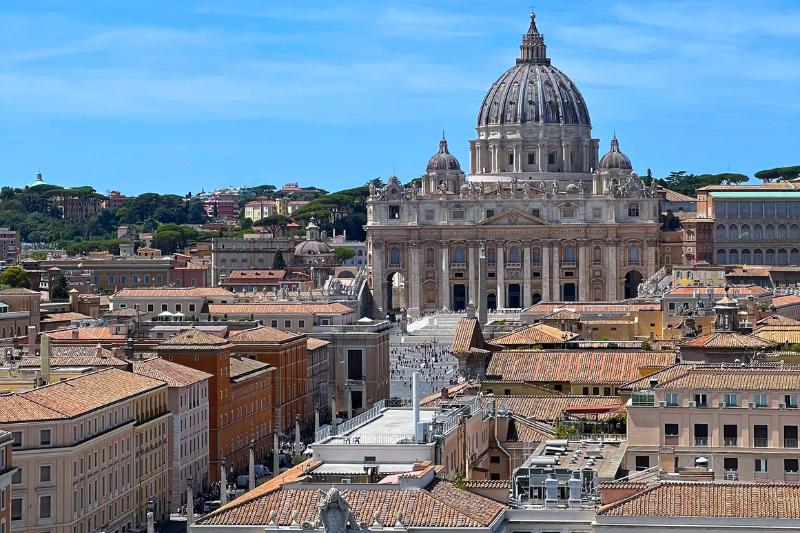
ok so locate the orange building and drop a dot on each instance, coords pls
(239, 398)
(288, 354)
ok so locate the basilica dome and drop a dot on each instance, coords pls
(443, 160)
(533, 90)
(614, 158)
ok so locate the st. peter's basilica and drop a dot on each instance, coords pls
(540, 217)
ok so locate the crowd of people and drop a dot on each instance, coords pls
(436, 364)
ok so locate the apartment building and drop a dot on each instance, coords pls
(301, 317)
(186, 301)
(229, 254)
(188, 437)
(19, 308)
(90, 455)
(239, 397)
(7, 471)
(9, 246)
(739, 422)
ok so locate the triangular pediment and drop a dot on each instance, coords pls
(513, 217)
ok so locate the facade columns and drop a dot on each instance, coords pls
(612, 280)
(501, 281)
(414, 284)
(565, 156)
(583, 270)
(445, 276)
(585, 156)
(652, 266)
(377, 276)
(545, 270)
(542, 157)
(556, 281)
(472, 261)
(526, 274)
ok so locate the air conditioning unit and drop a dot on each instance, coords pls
(662, 403)
(751, 405)
(721, 405)
(345, 481)
(692, 403)
(781, 406)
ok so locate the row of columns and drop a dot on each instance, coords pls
(488, 157)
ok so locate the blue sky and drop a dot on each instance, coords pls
(182, 95)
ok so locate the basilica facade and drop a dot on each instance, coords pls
(540, 217)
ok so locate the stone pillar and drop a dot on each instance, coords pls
(276, 462)
(378, 283)
(517, 160)
(414, 281)
(526, 274)
(482, 310)
(556, 281)
(565, 156)
(189, 502)
(583, 270)
(651, 265)
(612, 281)
(473, 159)
(444, 276)
(546, 291)
(472, 262)
(251, 466)
(585, 156)
(501, 277)
(542, 157)
(316, 421)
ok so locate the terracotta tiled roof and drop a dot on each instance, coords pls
(488, 484)
(710, 500)
(777, 186)
(564, 314)
(660, 376)
(438, 505)
(173, 374)
(545, 308)
(280, 309)
(194, 339)
(719, 292)
(575, 366)
(90, 333)
(468, 336)
(785, 300)
(674, 196)
(262, 334)
(174, 292)
(777, 320)
(733, 378)
(728, 339)
(254, 275)
(315, 344)
(548, 408)
(74, 397)
(535, 334)
(779, 333)
(16, 291)
(88, 359)
(64, 317)
(467, 388)
(245, 365)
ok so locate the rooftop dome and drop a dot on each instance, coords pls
(39, 180)
(533, 90)
(443, 159)
(312, 248)
(614, 158)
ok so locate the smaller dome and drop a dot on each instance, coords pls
(443, 159)
(39, 180)
(614, 158)
(312, 248)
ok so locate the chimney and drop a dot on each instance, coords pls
(415, 406)
(45, 359)
(75, 334)
(31, 341)
(444, 394)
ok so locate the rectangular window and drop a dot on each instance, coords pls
(633, 210)
(44, 437)
(429, 214)
(150, 307)
(537, 213)
(761, 400)
(147, 279)
(178, 308)
(494, 459)
(457, 214)
(790, 400)
(730, 464)
(760, 436)
(790, 436)
(158, 279)
(730, 434)
(672, 399)
(551, 158)
(301, 323)
(16, 508)
(531, 158)
(287, 324)
(789, 466)
(701, 400)
(44, 506)
(163, 307)
(17, 436)
(123, 280)
(191, 308)
(597, 212)
(273, 323)
(394, 212)
(135, 279)
(44, 473)
(670, 430)
(730, 400)
(110, 279)
(354, 367)
(642, 462)
(489, 213)
(760, 465)
(510, 159)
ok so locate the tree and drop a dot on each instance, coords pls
(278, 263)
(779, 173)
(343, 254)
(15, 276)
(59, 289)
(274, 223)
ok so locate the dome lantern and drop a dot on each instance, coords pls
(533, 49)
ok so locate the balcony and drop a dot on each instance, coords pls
(760, 442)
(458, 265)
(701, 441)
(565, 263)
(730, 442)
(514, 265)
(789, 443)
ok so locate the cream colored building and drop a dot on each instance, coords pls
(540, 217)
(90, 450)
(740, 423)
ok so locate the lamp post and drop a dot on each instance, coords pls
(189, 502)
(151, 507)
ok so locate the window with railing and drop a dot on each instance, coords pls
(730, 435)
(569, 258)
(634, 255)
(701, 434)
(671, 432)
(790, 436)
(701, 400)
(672, 399)
(760, 436)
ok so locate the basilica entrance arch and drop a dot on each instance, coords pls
(569, 292)
(514, 296)
(632, 281)
(491, 302)
(396, 292)
(459, 297)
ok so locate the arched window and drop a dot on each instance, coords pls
(744, 233)
(782, 233)
(783, 257)
(491, 255)
(733, 232)
(769, 257)
(597, 255)
(758, 257)
(513, 255)
(458, 254)
(633, 254)
(394, 256)
(769, 233)
(794, 232)
(758, 232)
(536, 256)
(667, 259)
(794, 257)
(569, 254)
(690, 235)
(722, 257)
(719, 233)
(430, 258)
(745, 256)
(733, 256)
